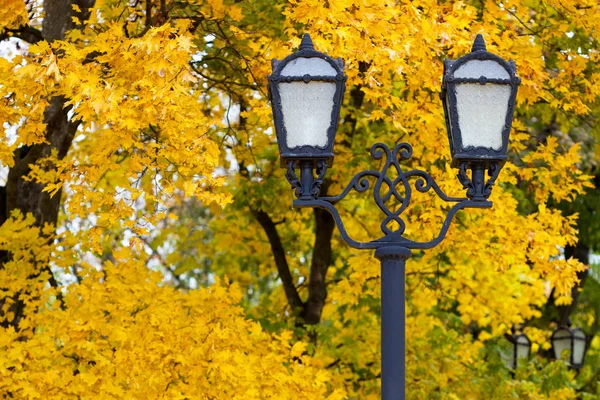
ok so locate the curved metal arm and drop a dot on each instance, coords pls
(386, 189)
(393, 239)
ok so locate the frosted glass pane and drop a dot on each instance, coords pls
(477, 68)
(482, 113)
(312, 66)
(307, 109)
(522, 351)
(561, 342)
(578, 347)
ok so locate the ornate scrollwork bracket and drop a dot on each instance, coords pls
(292, 178)
(477, 188)
(316, 186)
(307, 186)
(391, 186)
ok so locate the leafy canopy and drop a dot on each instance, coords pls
(172, 124)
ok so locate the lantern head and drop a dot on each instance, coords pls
(306, 91)
(478, 95)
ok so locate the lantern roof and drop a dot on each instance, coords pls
(307, 50)
(479, 63)
(306, 42)
(479, 43)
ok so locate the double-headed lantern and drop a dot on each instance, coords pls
(520, 349)
(573, 342)
(478, 94)
(306, 89)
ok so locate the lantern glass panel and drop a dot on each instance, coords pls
(482, 113)
(523, 347)
(313, 66)
(578, 346)
(476, 68)
(307, 109)
(561, 341)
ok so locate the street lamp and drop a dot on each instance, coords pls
(571, 340)
(520, 349)
(306, 90)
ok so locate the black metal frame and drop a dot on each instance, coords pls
(572, 340)
(307, 190)
(470, 155)
(312, 154)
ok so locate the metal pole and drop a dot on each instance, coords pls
(478, 182)
(393, 347)
(306, 179)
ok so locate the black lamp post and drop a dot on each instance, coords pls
(306, 90)
(571, 340)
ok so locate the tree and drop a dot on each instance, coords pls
(129, 125)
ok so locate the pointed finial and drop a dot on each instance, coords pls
(479, 44)
(306, 42)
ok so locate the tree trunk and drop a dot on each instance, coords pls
(321, 260)
(26, 196)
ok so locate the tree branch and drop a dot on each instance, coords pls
(23, 32)
(317, 287)
(280, 259)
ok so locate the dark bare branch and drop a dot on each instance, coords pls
(24, 32)
(280, 259)
(321, 260)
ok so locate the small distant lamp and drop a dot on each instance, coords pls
(520, 349)
(572, 341)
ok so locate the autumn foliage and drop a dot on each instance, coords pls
(148, 248)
